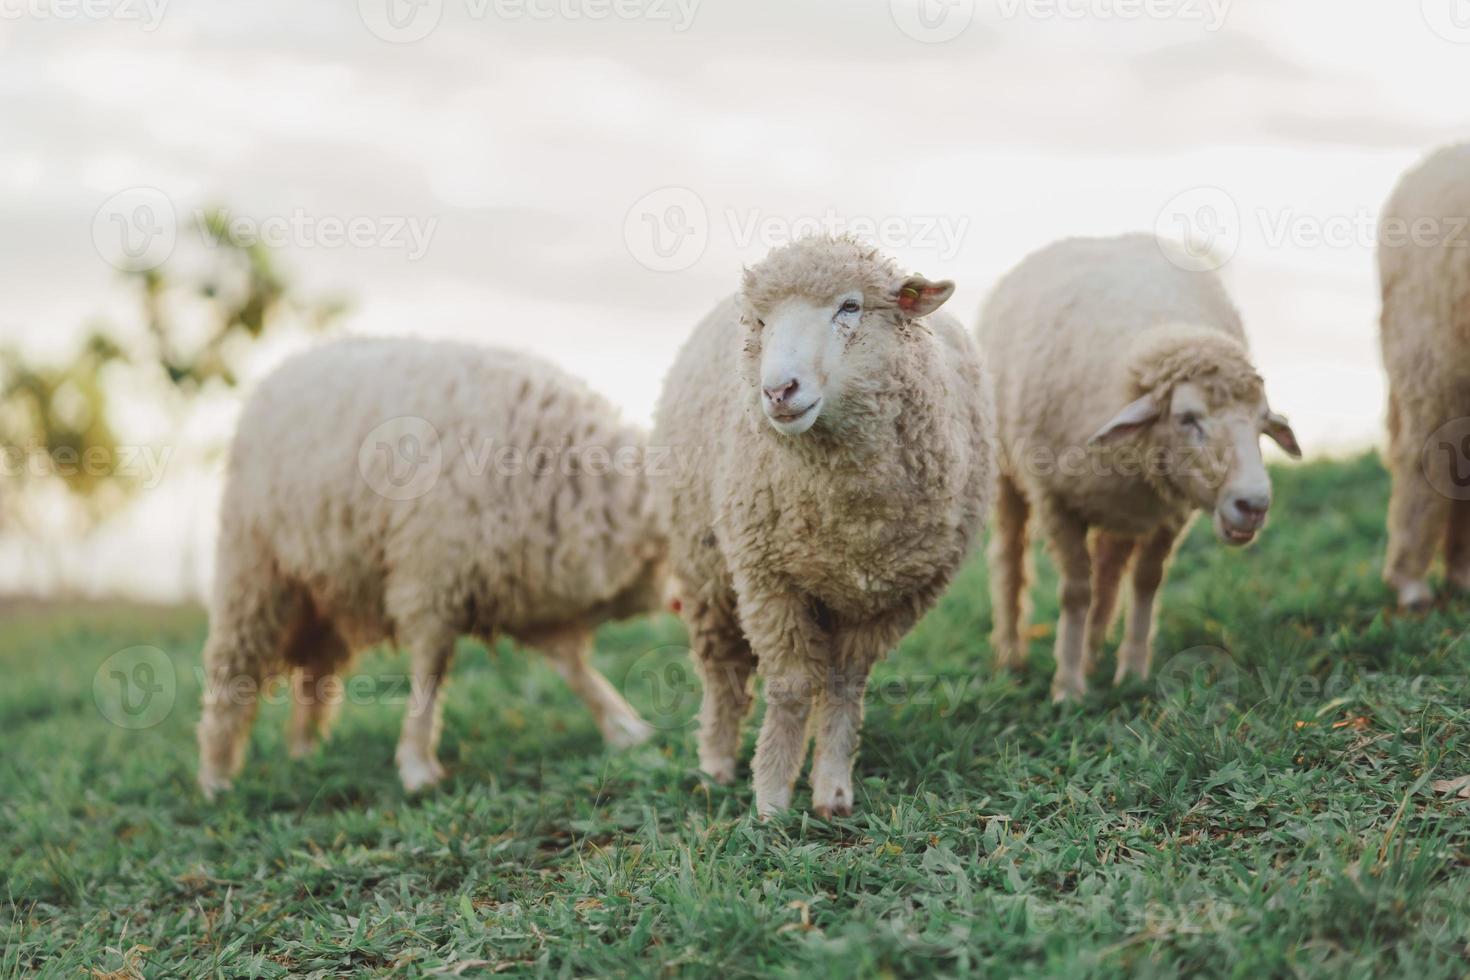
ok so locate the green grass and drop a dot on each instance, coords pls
(1272, 813)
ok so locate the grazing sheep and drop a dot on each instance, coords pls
(411, 491)
(1424, 265)
(835, 439)
(1126, 401)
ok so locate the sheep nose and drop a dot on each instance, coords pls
(776, 394)
(1252, 508)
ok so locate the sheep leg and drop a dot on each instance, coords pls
(788, 647)
(1009, 574)
(318, 653)
(417, 755)
(619, 722)
(1068, 537)
(726, 667)
(1457, 546)
(1136, 654)
(839, 714)
(1110, 556)
(247, 628)
(1418, 515)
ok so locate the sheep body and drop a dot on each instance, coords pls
(811, 555)
(1424, 272)
(1073, 334)
(409, 491)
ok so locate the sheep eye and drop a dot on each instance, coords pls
(851, 306)
(1191, 421)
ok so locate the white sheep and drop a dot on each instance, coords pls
(1126, 401)
(387, 489)
(836, 437)
(1424, 267)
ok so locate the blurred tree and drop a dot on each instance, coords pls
(58, 447)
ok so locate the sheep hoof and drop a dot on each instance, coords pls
(419, 774)
(839, 806)
(722, 772)
(624, 733)
(1068, 691)
(212, 786)
(1415, 597)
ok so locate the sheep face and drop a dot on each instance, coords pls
(807, 354)
(1205, 445)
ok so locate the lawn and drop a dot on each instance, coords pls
(1274, 803)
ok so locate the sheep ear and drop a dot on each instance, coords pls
(1135, 417)
(917, 296)
(1280, 432)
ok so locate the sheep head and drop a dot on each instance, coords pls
(824, 317)
(1196, 428)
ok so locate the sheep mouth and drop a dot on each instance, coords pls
(1234, 535)
(791, 418)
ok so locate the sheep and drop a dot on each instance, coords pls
(1424, 270)
(836, 432)
(412, 491)
(1126, 400)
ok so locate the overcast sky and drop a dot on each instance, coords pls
(585, 177)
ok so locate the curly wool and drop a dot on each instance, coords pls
(1424, 268)
(1084, 326)
(859, 515)
(493, 546)
(810, 268)
(1164, 358)
(532, 520)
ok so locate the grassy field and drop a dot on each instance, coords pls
(1273, 804)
